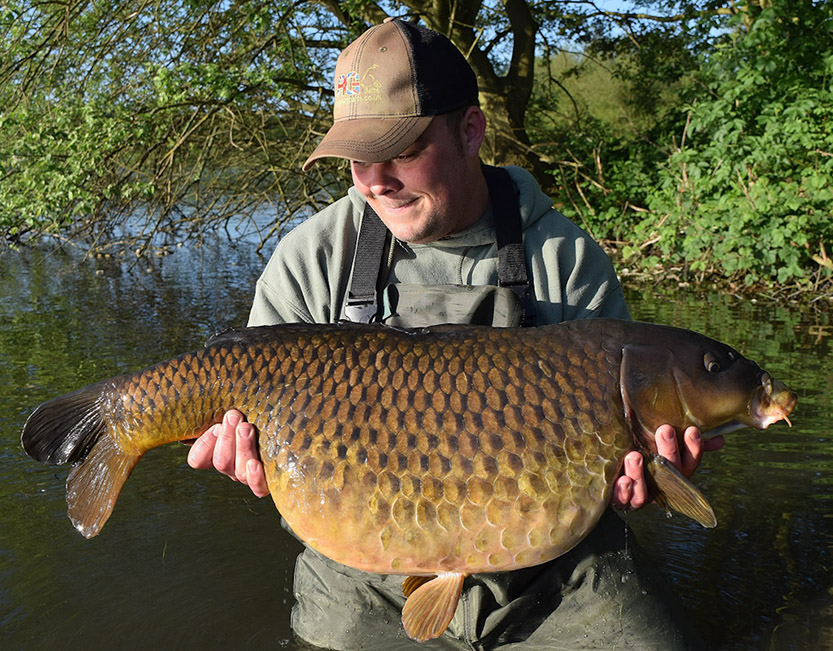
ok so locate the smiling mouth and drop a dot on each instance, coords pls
(395, 205)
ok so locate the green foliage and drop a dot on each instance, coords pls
(706, 148)
(50, 162)
(592, 120)
(748, 194)
(113, 109)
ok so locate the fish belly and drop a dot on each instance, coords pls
(458, 456)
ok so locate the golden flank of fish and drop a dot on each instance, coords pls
(433, 454)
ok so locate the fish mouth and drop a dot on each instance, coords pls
(772, 402)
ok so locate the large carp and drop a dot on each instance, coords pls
(435, 453)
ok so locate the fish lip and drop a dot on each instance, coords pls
(772, 402)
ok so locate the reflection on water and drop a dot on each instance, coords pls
(190, 559)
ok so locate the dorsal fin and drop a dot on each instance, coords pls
(238, 335)
(430, 608)
(251, 334)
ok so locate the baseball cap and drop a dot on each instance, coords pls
(389, 84)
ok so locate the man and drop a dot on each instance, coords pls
(406, 116)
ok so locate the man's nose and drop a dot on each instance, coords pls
(380, 178)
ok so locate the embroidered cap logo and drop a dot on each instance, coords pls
(351, 84)
(348, 84)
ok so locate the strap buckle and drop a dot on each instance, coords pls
(361, 309)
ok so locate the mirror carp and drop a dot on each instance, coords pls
(434, 453)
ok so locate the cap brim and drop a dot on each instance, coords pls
(369, 140)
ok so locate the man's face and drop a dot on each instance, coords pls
(429, 191)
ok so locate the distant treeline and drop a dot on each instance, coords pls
(687, 135)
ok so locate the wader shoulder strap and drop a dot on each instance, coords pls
(362, 303)
(511, 259)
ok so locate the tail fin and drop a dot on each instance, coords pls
(66, 428)
(93, 486)
(70, 429)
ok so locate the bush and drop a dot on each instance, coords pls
(748, 194)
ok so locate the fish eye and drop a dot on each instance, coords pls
(711, 363)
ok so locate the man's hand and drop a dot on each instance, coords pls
(231, 448)
(631, 489)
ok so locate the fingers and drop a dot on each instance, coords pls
(231, 448)
(688, 458)
(622, 491)
(201, 454)
(224, 449)
(631, 490)
(245, 448)
(256, 478)
(692, 451)
(667, 447)
(248, 470)
(714, 443)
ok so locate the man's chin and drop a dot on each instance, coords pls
(405, 227)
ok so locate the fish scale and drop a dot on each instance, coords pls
(441, 447)
(435, 453)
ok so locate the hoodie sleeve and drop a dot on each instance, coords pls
(572, 276)
(306, 277)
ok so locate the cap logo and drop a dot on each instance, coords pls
(353, 87)
(348, 84)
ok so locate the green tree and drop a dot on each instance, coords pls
(193, 110)
(603, 123)
(126, 123)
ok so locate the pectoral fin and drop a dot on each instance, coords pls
(672, 489)
(430, 607)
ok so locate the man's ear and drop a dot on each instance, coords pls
(473, 126)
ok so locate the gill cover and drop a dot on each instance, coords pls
(649, 391)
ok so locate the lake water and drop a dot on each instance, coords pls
(192, 560)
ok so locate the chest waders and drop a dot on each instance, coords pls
(602, 594)
(508, 304)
